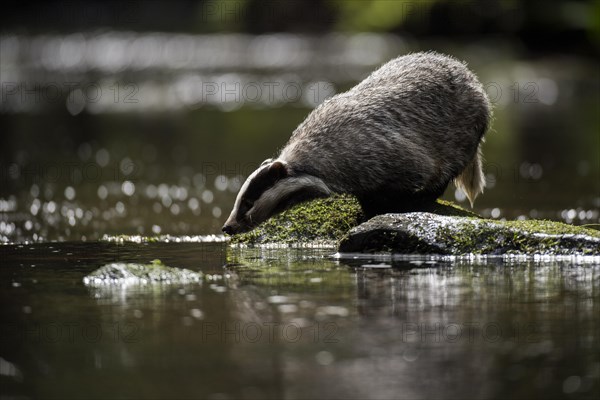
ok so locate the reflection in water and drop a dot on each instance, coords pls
(434, 328)
(296, 324)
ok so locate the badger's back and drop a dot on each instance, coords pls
(411, 126)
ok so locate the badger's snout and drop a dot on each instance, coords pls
(233, 228)
(228, 229)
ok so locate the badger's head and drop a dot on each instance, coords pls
(271, 189)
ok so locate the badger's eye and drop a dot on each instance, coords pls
(247, 204)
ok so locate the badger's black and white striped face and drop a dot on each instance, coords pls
(269, 190)
(251, 206)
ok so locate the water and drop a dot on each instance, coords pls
(296, 324)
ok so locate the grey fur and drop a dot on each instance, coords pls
(395, 140)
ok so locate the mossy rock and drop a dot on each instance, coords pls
(427, 233)
(140, 274)
(323, 222)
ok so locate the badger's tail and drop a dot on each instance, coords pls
(471, 180)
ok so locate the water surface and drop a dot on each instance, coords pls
(296, 324)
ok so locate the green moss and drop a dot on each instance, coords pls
(549, 227)
(321, 220)
(523, 237)
(444, 207)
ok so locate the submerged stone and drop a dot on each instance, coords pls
(428, 233)
(140, 274)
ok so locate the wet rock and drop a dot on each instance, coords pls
(427, 233)
(321, 223)
(140, 274)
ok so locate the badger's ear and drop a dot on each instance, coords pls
(278, 169)
(268, 160)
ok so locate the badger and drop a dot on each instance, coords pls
(395, 141)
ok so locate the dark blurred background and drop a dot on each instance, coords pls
(143, 117)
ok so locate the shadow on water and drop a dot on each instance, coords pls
(296, 324)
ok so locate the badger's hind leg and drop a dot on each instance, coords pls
(376, 203)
